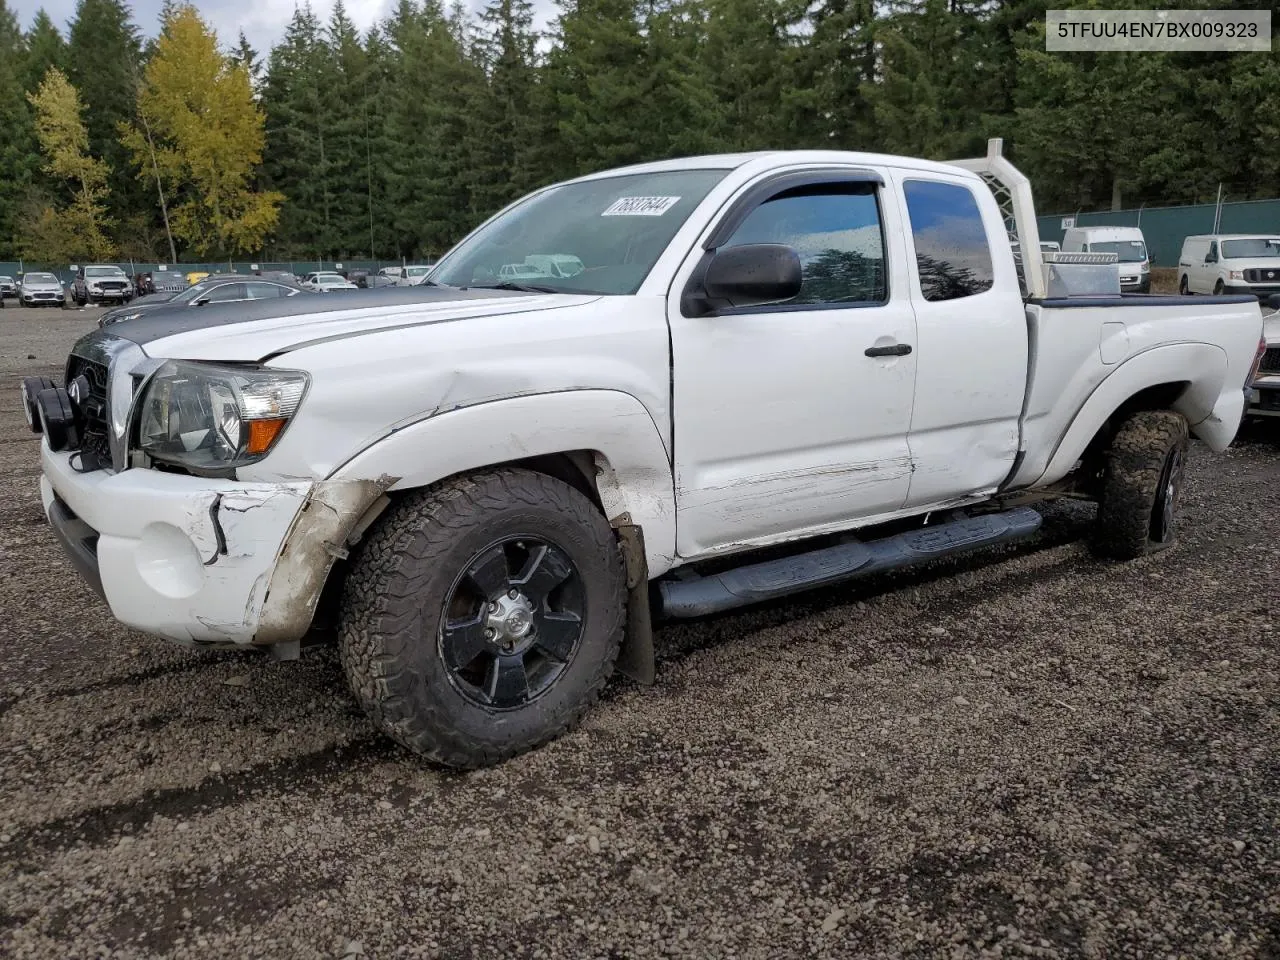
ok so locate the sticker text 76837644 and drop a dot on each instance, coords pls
(640, 206)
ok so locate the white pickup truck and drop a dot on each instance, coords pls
(493, 487)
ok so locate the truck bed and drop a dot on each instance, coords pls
(1089, 355)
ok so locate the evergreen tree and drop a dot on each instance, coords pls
(345, 132)
(18, 159)
(934, 87)
(750, 64)
(595, 86)
(45, 48)
(295, 162)
(380, 94)
(502, 131)
(247, 57)
(434, 87)
(103, 57)
(839, 59)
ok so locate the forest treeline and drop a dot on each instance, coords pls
(168, 142)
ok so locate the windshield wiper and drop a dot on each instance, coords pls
(508, 285)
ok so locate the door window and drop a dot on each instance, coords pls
(836, 230)
(224, 292)
(264, 291)
(953, 255)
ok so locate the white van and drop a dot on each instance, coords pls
(1230, 263)
(1127, 243)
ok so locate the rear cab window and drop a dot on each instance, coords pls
(953, 252)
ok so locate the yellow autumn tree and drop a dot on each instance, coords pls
(60, 234)
(201, 132)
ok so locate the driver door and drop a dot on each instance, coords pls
(790, 418)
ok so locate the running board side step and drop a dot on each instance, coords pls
(846, 561)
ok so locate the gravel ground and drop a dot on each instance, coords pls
(1026, 753)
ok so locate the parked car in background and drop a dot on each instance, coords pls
(413, 274)
(101, 283)
(1127, 243)
(325, 281)
(8, 288)
(1230, 263)
(360, 277)
(377, 280)
(168, 281)
(224, 289)
(195, 276)
(500, 487)
(520, 271)
(39, 289)
(561, 265)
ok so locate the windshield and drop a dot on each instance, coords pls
(39, 278)
(616, 226)
(329, 278)
(417, 271)
(1258, 248)
(1126, 251)
(103, 272)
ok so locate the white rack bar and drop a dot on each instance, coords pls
(1012, 191)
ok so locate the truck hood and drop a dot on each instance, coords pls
(257, 330)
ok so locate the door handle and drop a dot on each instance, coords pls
(893, 350)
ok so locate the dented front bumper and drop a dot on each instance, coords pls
(204, 561)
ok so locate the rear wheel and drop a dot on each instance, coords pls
(483, 616)
(1182, 286)
(1141, 485)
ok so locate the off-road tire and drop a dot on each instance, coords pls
(1136, 464)
(393, 601)
(1184, 288)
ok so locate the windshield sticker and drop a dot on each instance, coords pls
(640, 206)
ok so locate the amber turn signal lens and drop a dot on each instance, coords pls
(263, 433)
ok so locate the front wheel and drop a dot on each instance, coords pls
(1218, 288)
(1141, 485)
(482, 616)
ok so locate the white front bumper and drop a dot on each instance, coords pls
(199, 561)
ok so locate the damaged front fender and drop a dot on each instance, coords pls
(334, 514)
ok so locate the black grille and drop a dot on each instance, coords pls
(95, 434)
(1263, 274)
(1270, 361)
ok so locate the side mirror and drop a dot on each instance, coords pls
(200, 301)
(752, 275)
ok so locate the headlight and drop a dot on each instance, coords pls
(1235, 274)
(209, 417)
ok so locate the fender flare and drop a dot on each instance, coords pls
(1154, 367)
(634, 472)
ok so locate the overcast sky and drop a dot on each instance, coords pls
(263, 21)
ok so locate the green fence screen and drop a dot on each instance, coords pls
(1166, 227)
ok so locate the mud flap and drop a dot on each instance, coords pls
(636, 658)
